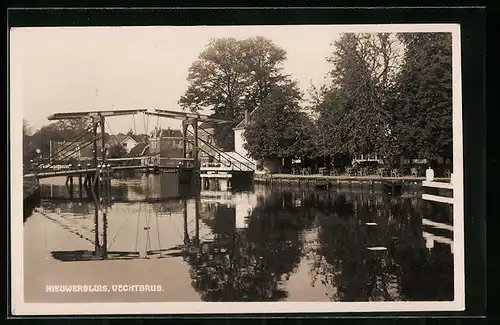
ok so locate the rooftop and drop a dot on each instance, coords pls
(164, 133)
(243, 122)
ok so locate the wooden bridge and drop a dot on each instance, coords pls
(187, 164)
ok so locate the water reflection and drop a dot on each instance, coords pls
(253, 245)
(249, 263)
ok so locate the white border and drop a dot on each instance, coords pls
(19, 307)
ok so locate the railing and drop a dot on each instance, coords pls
(231, 160)
(216, 149)
(430, 183)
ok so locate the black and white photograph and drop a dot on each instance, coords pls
(267, 168)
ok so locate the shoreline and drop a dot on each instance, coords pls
(345, 178)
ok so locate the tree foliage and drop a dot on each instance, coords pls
(60, 131)
(353, 112)
(389, 95)
(231, 76)
(422, 103)
(117, 151)
(279, 128)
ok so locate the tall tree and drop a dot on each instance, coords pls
(27, 130)
(279, 129)
(60, 131)
(353, 113)
(231, 76)
(422, 102)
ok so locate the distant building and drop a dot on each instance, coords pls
(141, 150)
(166, 147)
(127, 141)
(240, 151)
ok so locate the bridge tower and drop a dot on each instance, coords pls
(189, 119)
(101, 179)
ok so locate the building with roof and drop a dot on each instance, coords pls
(127, 141)
(240, 151)
(166, 147)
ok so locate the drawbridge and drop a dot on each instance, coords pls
(96, 135)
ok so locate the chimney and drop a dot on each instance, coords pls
(246, 116)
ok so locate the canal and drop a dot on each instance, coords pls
(262, 243)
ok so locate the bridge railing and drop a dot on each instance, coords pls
(232, 161)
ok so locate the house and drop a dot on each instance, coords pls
(240, 151)
(166, 146)
(141, 150)
(127, 141)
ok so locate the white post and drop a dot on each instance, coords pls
(429, 174)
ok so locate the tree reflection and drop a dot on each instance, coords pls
(371, 248)
(250, 264)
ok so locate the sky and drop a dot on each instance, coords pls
(104, 68)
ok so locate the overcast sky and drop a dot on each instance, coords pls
(80, 69)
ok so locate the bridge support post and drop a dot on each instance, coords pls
(70, 187)
(197, 217)
(96, 232)
(94, 144)
(184, 141)
(80, 186)
(186, 233)
(105, 233)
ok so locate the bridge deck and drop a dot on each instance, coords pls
(87, 171)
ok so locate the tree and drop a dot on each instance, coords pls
(60, 131)
(353, 113)
(280, 129)
(27, 130)
(422, 102)
(27, 150)
(231, 76)
(117, 151)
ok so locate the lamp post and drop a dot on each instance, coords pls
(39, 155)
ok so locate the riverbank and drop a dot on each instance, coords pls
(343, 180)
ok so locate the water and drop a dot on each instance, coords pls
(261, 244)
